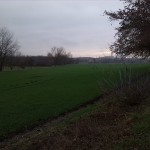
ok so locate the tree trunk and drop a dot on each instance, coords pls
(1, 67)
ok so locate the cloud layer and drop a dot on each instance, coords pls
(79, 26)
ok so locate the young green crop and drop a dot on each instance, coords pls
(33, 95)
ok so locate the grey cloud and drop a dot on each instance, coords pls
(76, 25)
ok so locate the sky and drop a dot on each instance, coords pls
(79, 26)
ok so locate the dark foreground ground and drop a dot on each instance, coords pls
(119, 121)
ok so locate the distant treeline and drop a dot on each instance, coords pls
(109, 59)
(45, 61)
(34, 61)
(57, 56)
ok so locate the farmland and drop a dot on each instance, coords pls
(30, 96)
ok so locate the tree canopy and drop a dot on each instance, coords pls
(133, 33)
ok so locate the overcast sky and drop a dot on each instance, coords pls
(77, 25)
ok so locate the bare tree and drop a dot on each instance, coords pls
(59, 56)
(8, 46)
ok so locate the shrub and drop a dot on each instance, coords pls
(133, 88)
(135, 92)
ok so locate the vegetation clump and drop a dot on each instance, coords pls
(134, 93)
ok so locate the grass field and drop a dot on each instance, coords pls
(32, 95)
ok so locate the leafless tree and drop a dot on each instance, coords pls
(59, 56)
(8, 45)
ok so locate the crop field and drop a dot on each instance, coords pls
(30, 96)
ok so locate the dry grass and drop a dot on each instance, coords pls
(99, 131)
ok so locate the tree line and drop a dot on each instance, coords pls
(23, 61)
(11, 57)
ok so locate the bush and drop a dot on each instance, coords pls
(133, 88)
(135, 92)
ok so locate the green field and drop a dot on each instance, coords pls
(32, 95)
